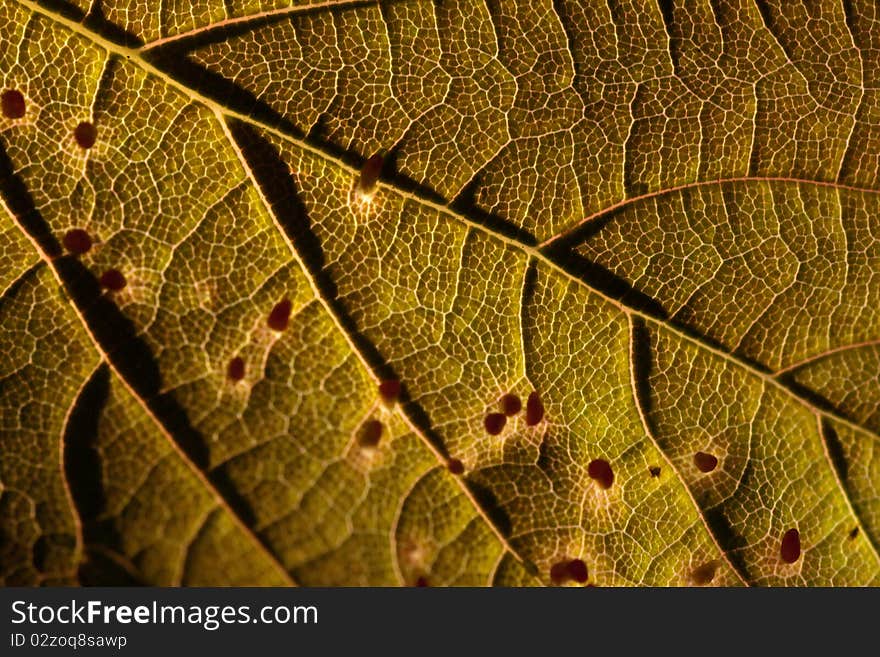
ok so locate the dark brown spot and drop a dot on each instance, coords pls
(569, 570)
(559, 572)
(600, 471)
(705, 462)
(370, 174)
(12, 101)
(370, 433)
(534, 409)
(577, 570)
(494, 423)
(654, 470)
(85, 134)
(112, 280)
(280, 315)
(77, 241)
(455, 466)
(422, 582)
(791, 546)
(510, 404)
(235, 370)
(854, 533)
(704, 574)
(389, 390)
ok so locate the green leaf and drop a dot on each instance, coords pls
(657, 219)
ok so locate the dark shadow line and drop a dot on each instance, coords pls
(465, 203)
(82, 470)
(563, 253)
(601, 279)
(789, 382)
(835, 450)
(94, 20)
(21, 205)
(642, 355)
(729, 540)
(179, 66)
(488, 502)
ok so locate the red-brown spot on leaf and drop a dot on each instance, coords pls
(370, 174)
(600, 471)
(534, 409)
(12, 102)
(510, 404)
(77, 241)
(235, 369)
(577, 570)
(280, 315)
(569, 570)
(494, 423)
(455, 466)
(85, 134)
(389, 391)
(654, 471)
(559, 572)
(705, 462)
(790, 549)
(705, 573)
(112, 280)
(854, 533)
(422, 582)
(370, 434)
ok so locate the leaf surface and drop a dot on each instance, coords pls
(661, 221)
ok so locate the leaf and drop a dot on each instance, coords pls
(657, 220)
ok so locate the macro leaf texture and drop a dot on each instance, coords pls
(653, 222)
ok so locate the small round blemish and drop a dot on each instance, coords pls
(85, 134)
(654, 471)
(422, 582)
(77, 241)
(510, 404)
(235, 369)
(455, 466)
(790, 550)
(702, 575)
(370, 434)
(577, 570)
(600, 471)
(705, 462)
(280, 315)
(494, 423)
(12, 102)
(534, 409)
(389, 391)
(569, 570)
(854, 533)
(112, 280)
(370, 175)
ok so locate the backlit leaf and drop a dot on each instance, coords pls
(273, 275)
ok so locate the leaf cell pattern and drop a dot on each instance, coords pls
(652, 225)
